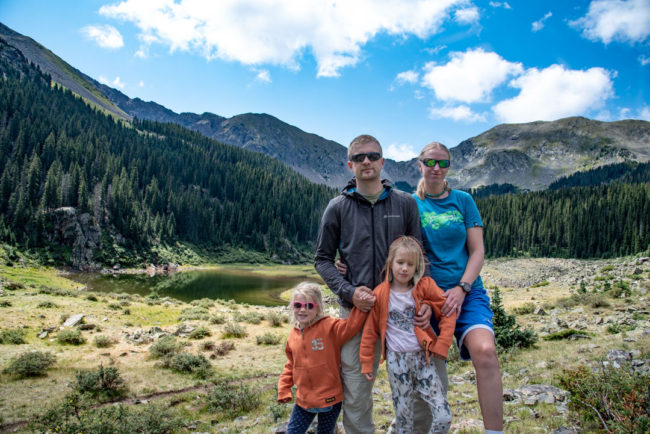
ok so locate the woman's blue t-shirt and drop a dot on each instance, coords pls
(444, 234)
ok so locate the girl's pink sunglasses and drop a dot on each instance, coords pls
(298, 305)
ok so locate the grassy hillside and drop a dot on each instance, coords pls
(237, 351)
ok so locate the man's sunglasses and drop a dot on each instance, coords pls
(298, 305)
(360, 158)
(430, 162)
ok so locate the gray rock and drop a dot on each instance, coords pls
(73, 320)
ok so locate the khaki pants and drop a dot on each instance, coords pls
(357, 391)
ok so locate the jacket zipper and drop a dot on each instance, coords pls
(374, 263)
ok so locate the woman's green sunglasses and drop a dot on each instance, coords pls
(430, 162)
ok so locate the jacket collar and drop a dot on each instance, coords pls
(351, 189)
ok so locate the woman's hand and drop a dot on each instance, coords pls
(455, 298)
(341, 267)
(369, 376)
(423, 317)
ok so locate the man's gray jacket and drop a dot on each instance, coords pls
(362, 233)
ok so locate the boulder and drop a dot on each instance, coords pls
(74, 320)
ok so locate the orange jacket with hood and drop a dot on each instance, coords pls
(314, 360)
(425, 291)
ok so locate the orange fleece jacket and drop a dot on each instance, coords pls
(314, 360)
(426, 291)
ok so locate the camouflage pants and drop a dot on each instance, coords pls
(409, 374)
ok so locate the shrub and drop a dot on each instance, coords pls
(70, 336)
(5, 303)
(540, 284)
(102, 384)
(12, 336)
(114, 306)
(564, 334)
(620, 288)
(200, 333)
(276, 319)
(207, 346)
(188, 364)
(616, 399)
(46, 304)
(218, 319)
(77, 416)
(606, 268)
(166, 345)
(12, 286)
(224, 348)
(103, 341)
(205, 303)
(249, 317)
(269, 339)
(507, 332)
(31, 364)
(232, 401)
(234, 330)
(194, 313)
(524, 309)
(91, 297)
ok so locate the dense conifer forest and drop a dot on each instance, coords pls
(142, 183)
(147, 184)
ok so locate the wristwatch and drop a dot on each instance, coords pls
(465, 287)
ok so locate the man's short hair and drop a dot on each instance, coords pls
(362, 140)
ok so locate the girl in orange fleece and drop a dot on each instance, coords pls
(407, 348)
(314, 360)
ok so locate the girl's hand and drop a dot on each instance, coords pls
(284, 401)
(341, 267)
(369, 376)
(455, 298)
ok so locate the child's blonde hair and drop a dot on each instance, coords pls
(310, 290)
(412, 246)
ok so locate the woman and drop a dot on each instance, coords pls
(452, 233)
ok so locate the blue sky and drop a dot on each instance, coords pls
(407, 72)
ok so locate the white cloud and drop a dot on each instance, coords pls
(400, 152)
(554, 93)
(255, 32)
(504, 5)
(263, 75)
(644, 113)
(105, 36)
(458, 113)
(141, 83)
(620, 20)
(539, 25)
(470, 76)
(643, 60)
(410, 77)
(435, 50)
(115, 83)
(467, 15)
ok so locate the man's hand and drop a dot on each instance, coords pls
(423, 317)
(369, 376)
(363, 298)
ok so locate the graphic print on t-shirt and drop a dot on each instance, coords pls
(436, 221)
(403, 320)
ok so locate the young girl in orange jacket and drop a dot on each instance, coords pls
(406, 348)
(314, 360)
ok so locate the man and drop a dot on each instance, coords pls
(360, 224)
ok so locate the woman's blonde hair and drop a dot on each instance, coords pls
(412, 246)
(309, 290)
(430, 147)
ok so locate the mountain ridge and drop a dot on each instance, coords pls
(530, 156)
